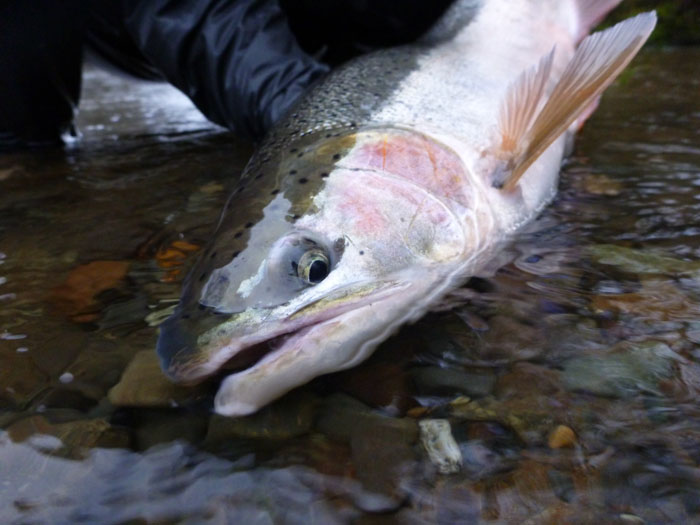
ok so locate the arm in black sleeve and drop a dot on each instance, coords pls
(40, 62)
(236, 59)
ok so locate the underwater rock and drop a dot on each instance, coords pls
(380, 384)
(438, 442)
(74, 439)
(76, 297)
(288, 417)
(601, 185)
(20, 380)
(382, 447)
(642, 261)
(437, 381)
(561, 437)
(629, 368)
(154, 427)
(144, 384)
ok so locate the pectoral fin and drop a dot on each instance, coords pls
(527, 133)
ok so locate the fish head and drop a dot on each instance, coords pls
(352, 235)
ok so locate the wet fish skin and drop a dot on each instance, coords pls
(401, 175)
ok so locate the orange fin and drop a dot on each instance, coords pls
(594, 66)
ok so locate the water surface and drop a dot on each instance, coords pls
(570, 377)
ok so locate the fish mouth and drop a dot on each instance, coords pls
(237, 345)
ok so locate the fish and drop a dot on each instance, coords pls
(389, 184)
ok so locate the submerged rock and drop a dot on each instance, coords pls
(144, 384)
(381, 447)
(629, 369)
(642, 261)
(443, 451)
(290, 416)
(72, 439)
(436, 381)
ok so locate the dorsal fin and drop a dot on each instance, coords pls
(596, 63)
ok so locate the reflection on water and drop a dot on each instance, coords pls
(570, 378)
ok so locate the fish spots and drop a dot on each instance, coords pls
(324, 175)
(238, 235)
(336, 156)
(303, 180)
(292, 172)
(275, 191)
(249, 224)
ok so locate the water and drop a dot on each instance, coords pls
(570, 378)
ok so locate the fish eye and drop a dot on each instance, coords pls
(313, 267)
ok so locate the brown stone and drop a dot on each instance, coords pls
(561, 437)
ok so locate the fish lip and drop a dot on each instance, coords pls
(290, 326)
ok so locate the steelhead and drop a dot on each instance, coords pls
(390, 183)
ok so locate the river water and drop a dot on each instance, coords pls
(570, 377)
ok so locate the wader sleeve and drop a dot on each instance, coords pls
(237, 60)
(40, 68)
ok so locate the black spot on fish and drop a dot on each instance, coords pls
(324, 175)
(249, 224)
(362, 252)
(235, 254)
(238, 235)
(301, 154)
(336, 156)
(303, 180)
(292, 172)
(293, 150)
(202, 277)
(274, 192)
(258, 176)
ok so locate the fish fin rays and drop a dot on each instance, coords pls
(525, 132)
(522, 102)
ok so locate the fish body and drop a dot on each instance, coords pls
(394, 180)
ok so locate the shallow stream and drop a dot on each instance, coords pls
(570, 377)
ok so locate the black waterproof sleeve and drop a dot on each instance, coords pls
(236, 59)
(40, 64)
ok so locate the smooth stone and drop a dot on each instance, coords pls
(382, 448)
(73, 439)
(562, 437)
(289, 417)
(143, 384)
(443, 451)
(628, 369)
(642, 261)
(433, 380)
(164, 426)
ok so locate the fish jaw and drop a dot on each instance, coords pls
(323, 347)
